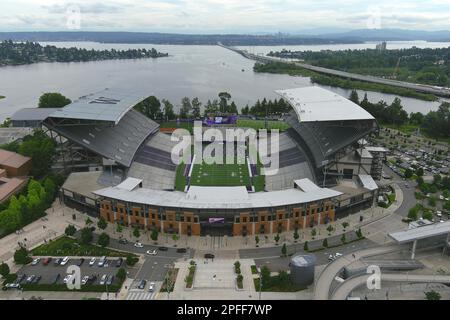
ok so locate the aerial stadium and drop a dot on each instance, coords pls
(120, 167)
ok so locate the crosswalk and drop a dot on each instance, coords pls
(140, 295)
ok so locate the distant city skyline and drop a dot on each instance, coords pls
(223, 16)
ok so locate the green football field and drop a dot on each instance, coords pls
(220, 175)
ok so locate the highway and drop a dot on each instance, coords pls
(441, 92)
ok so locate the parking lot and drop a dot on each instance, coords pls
(49, 272)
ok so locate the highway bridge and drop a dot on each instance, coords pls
(437, 91)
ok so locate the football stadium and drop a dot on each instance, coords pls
(119, 166)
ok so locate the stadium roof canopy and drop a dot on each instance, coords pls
(217, 197)
(368, 182)
(107, 105)
(317, 104)
(436, 229)
(32, 114)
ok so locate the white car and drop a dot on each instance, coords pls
(152, 252)
(103, 279)
(338, 255)
(138, 245)
(64, 261)
(67, 278)
(102, 261)
(151, 287)
(92, 262)
(35, 261)
(84, 280)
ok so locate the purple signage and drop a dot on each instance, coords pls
(216, 220)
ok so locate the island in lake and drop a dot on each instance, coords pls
(19, 53)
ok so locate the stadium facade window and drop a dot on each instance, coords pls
(237, 219)
(244, 220)
(262, 218)
(195, 219)
(188, 219)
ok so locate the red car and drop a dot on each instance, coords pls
(46, 261)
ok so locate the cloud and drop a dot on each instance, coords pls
(95, 8)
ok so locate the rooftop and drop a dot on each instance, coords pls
(317, 104)
(32, 114)
(410, 235)
(12, 159)
(83, 183)
(217, 197)
(107, 105)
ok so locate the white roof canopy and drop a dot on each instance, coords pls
(419, 233)
(317, 104)
(107, 105)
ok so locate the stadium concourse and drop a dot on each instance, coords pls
(120, 167)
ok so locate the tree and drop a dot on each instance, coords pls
(277, 238)
(325, 243)
(121, 274)
(345, 225)
(330, 229)
(196, 104)
(305, 246)
(103, 240)
(296, 235)
(224, 98)
(432, 295)
(408, 173)
(284, 250)
(53, 100)
(154, 235)
(265, 276)
(41, 149)
(343, 238)
(131, 260)
(4, 270)
(70, 230)
(88, 221)
(186, 107)
(419, 172)
(150, 107)
(313, 233)
(233, 108)
(21, 256)
(354, 97)
(169, 114)
(119, 228)
(175, 238)
(256, 240)
(102, 224)
(86, 236)
(136, 232)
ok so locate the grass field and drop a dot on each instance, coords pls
(260, 124)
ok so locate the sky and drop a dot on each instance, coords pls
(223, 16)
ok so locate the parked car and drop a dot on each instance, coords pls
(138, 245)
(58, 261)
(80, 262)
(35, 261)
(46, 261)
(152, 252)
(11, 286)
(64, 261)
(36, 279)
(181, 250)
(151, 287)
(209, 256)
(56, 278)
(110, 280)
(142, 284)
(31, 278)
(119, 262)
(67, 278)
(102, 261)
(123, 241)
(21, 278)
(92, 262)
(92, 278)
(163, 248)
(85, 280)
(103, 279)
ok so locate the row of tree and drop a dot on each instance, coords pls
(435, 123)
(16, 53)
(27, 207)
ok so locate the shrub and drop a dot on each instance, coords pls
(4, 270)
(343, 239)
(121, 274)
(283, 250)
(70, 230)
(305, 246)
(86, 236)
(103, 240)
(237, 267)
(102, 224)
(136, 232)
(131, 260)
(21, 256)
(325, 243)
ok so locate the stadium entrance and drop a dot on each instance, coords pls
(216, 227)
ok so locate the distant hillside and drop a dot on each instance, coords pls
(170, 38)
(389, 35)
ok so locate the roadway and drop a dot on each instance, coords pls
(344, 290)
(442, 92)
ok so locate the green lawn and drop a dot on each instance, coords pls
(276, 287)
(66, 246)
(220, 175)
(261, 124)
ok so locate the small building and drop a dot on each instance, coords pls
(302, 269)
(14, 164)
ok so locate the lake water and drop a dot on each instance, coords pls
(192, 71)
